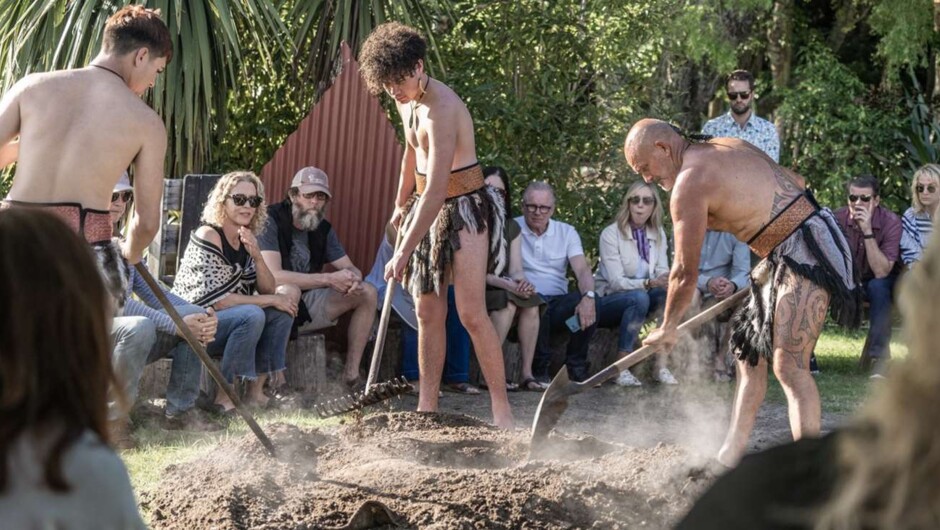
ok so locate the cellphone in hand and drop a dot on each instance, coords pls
(574, 323)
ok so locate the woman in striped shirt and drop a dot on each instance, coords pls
(917, 221)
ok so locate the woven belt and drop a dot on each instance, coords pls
(93, 225)
(779, 228)
(462, 181)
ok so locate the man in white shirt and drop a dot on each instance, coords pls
(548, 247)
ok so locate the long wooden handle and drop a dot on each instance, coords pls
(383, 324)
(204, 357)
(689, 325)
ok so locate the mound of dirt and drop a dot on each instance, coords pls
(408, 469)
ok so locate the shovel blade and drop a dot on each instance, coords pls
(554, 403)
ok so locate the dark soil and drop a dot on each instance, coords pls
(427, 471)
(627, 458)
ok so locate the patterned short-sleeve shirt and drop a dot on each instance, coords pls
(758, 131)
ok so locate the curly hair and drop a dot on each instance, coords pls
(390, 54)
(214, 212)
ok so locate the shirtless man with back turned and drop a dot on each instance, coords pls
(729, 185)
(80, 129)
(452, 223)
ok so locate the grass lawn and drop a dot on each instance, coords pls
(842, 386)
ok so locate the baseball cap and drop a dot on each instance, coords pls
(123, 183)
(311, 179)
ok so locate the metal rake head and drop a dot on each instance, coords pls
(377, 393)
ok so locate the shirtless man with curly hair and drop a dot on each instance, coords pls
(451, 222)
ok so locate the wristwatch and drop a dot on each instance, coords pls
(589, 294)
(646, 284)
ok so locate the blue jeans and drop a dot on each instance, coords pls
(629, 310)
(879, 292)
(457, 359)
(560, 308)
(251, 340)
(137, 343)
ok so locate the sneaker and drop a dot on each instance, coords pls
(120, 433)
(879, 368)
(626, 378)
(190, 420)
(664, 376)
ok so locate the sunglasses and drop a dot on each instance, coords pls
(646, 200)
(254, 201)
(318, 195)
(532, 208)
(856, 198)
(739, 95)
(125, 196)
(930, 188)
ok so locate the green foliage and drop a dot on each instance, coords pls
(837, 129)
(553, 87)
(208, 37)
(906, 29)
(920, 134)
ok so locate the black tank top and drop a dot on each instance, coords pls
(239, 256)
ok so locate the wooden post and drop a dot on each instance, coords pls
(306, 364)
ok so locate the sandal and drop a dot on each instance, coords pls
(510, 386)
(462, 388)
(531, 385)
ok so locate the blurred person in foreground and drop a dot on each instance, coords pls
(57, 470)
(880, 471)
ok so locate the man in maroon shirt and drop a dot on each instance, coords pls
(874, 236)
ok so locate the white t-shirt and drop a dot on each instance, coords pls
(100, 495)
(545, 258)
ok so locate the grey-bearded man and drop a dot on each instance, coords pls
(297, 242)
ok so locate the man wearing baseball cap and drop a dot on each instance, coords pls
(297, 242)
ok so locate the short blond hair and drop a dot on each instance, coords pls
(214, 211)
(927, 170)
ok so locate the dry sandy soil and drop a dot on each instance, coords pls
(623, 458)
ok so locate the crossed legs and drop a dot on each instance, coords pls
(798, 321)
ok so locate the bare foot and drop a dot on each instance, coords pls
(504, 421)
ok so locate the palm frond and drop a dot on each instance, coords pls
(208, 38)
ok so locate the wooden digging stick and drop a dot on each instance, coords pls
(204, 357)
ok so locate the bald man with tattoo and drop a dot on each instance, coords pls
(729, 185)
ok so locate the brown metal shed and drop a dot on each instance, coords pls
(349, 136)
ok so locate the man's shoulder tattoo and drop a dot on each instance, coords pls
(786, 189)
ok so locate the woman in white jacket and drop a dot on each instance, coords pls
(633, 273)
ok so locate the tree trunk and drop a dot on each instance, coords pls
(780, 49)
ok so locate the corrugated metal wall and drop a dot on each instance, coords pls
(348, 135)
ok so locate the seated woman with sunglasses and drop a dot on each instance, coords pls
(633, 273)
(222, 268)
(917, 221)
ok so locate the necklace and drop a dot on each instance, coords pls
(121, 77)
(413, 119)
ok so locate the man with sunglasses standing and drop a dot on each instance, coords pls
(740, 121)
(874, 236)
(296, 244)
